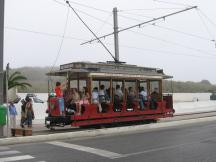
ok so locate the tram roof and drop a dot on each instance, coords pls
(109, 69)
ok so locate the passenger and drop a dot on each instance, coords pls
(154, 99)
(83, 101)
(119, 92)
(68, 96)
(29, 112)
(59, 94)
(103, 98)
(118, 99)
(75, 96)
(86, 93)
(95, 98)
(130, 99)
(142, 97)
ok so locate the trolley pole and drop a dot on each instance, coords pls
(116, 40)
(1, 58)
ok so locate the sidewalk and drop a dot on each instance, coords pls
(41, 129)
(42, 134)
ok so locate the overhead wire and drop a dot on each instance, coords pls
(42, 33)
(168, 52)
(62, 40)
(207, 18)
(205, 25)
(173, 43)
(90, 7)
(148, 9)
(173, 3)
(104, 23)
(91, 31)
(181, 32)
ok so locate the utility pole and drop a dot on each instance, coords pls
(116, 40)
(1, 57)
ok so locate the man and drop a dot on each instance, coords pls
(154, 99)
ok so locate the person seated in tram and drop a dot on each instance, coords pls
(86, 93)
(131, 97)
(95, 98)
(68, 95)
(75, 98)
(103, 98)
(154, 97)
(83, 101)
(118, 98)
(142, 97)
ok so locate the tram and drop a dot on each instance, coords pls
(110, 76)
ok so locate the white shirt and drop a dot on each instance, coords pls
(144, 94)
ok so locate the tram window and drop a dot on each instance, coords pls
(153, 85)
(106, 83)
(95, 83)
(73, 83)
(130, 84)
(144, 84)
(82, 83)
(114, 83)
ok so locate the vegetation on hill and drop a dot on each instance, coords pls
(39, 80)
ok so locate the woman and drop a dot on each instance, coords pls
(29, 113)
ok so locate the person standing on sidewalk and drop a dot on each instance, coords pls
(29, 112)
(13, 114)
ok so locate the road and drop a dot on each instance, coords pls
(190, 143)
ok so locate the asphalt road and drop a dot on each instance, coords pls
(191, 143)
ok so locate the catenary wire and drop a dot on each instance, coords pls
(148, 9)
(91, 31)
(173, 43)
(42, 33)
(205, 25)
(87, 6)
(172, 3)
(211, 21)
(62, 40)
(181, 32)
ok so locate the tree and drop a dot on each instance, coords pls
(16, 79)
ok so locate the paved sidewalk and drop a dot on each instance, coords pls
(40, 129)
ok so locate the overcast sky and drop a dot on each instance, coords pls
(181, 45)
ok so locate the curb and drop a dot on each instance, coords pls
(100, 132)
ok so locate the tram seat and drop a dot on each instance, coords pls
(105, 107)
(71, 109)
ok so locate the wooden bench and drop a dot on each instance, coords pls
(21, 132)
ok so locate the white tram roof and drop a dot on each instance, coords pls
(107, 70)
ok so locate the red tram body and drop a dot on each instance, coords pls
(90, 75)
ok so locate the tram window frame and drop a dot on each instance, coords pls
(117, 82)
(145, 86)
(74, 85)
(126, 87)
(101, 82)
(78, 84)
(159, 87)
(81, 85)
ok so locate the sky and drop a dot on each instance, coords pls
(48, 33)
